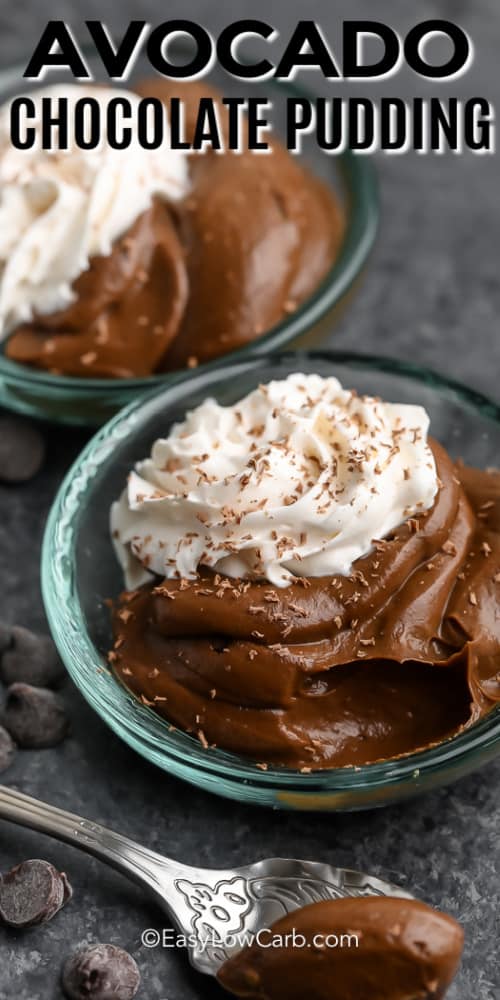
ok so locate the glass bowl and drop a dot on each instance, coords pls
(92, 401)
(79, 572)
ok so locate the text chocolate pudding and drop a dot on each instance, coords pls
(312, 581)
(350, 949)
(122, 263)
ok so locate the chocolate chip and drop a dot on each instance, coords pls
(101, 972)
(22, 450)
(35, 718)
(32, 893)
(29, 657)
(7, 749)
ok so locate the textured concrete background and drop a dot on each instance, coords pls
(431, 293)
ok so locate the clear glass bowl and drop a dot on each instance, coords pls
(79, 571)
(87, 401)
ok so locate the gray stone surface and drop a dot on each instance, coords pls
(431, 293)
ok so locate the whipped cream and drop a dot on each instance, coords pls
(297, 479)
(60, 208)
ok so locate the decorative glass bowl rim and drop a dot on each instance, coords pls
(360, 185)
(124, 713)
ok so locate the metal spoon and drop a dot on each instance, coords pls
(216, 911)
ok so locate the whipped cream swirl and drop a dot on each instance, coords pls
(297, 479)
(60, 208)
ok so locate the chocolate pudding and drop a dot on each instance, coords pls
(350, 949)
(217, 253)
(104, 331)
(255, 648)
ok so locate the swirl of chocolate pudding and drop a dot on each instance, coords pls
(350, 949)
(312, 582)
(148, 261)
